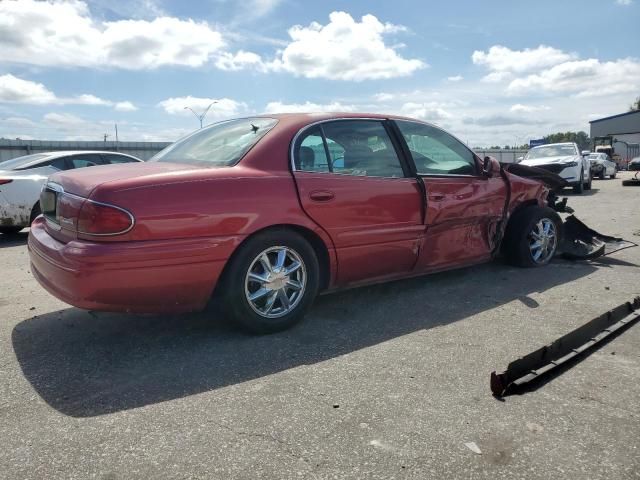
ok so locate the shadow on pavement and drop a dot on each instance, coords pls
(14, 239)
(86, 364)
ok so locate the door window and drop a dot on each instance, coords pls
(435, 152)
(81, 161)
(349, 147)
(112, 159)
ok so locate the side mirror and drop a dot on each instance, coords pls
(490, 167)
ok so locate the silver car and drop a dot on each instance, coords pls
(602, 166)
(21, 180)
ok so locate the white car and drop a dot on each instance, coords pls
(563, 159)
(21, 180)
(602, 166)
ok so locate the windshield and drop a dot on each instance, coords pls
(595, 156)
(551, 151)
(220, 145)
(16, 163)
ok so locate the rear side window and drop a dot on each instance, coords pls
(111, 159)
(82, 161)
(435, 152)
(219, 145)
(349, 147)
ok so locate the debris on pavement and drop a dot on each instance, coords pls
(540, 362)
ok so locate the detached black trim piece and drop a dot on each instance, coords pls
(533, 366)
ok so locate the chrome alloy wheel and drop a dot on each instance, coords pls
(543, 240)
(275, 282)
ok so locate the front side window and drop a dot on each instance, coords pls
(435, 152)
(220, 145)
(349, 147)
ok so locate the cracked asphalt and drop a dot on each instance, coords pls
(385, 382)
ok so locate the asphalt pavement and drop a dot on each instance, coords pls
(390, 381)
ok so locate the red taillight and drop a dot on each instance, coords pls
(4, 181)
(101, 219)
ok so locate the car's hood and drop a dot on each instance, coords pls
(534, 162)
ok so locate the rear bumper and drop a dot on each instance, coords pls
(140, 277)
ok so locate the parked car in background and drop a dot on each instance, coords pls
(602, 166)
(263, 213)
(21, 181)
(564, 159)
(634, 164)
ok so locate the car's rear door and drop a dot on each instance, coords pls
(463, 206)
(352, 182)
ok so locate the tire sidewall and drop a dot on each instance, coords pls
(518, 252)
(235, 301)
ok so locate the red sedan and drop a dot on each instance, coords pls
(266, 212)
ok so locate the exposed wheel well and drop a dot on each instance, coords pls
(35, 211)
(314, 240)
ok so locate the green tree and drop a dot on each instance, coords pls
(635, 105)
(581, 138)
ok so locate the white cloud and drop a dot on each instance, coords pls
(432, 111)
(518, 107)
(240, 61)
(624, 2)
(279, 107)
(125, 107)
(456, 78)
(17, 90)
(63, 120)
(503, 59)
(223, 108)
(550, 71)
(344, 49)
(65, 34)
(583, 78)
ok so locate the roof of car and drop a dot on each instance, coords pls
(312, 116)
(46, 156)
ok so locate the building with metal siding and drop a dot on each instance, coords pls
(625, 128)
(16, 148)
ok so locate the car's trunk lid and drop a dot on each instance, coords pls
(64, 193)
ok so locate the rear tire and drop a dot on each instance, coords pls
(35, 211)
(259, 294)
(527, 228)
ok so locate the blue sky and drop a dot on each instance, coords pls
(494, 72)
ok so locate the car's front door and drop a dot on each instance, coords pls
(463, 206)
(353, 184)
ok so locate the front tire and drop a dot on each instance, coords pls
(612, 176)
(532, 237)
(579, 187)
(271, 282)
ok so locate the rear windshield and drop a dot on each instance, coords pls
(20, 162)
(551, 151)
(220, 145)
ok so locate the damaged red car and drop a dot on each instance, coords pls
(264, 213)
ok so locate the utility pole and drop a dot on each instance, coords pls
(203, 114)
(116, 125)
(105, 137)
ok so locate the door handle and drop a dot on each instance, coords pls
(321, 196)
